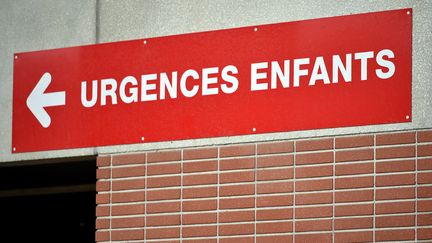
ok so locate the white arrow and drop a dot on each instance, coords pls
(38, 100)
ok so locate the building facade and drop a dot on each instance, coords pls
(368, 183)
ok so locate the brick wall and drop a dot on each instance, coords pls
(372, 187)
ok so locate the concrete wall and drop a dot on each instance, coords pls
(44, 24)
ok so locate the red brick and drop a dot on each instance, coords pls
(424, 234)
(200, 166)
(237, 150)
(237, 163)
(276, 147)
(313, 225)
(236, 229)
(321, 237)
(102, 236)
(394, 221)
(354, 168)
(313, 212)
(354, 210)
(275, 187)
(354, 155)
(395, 180)
(354, 182)
(163, 194)
(424, 150)
(200, 179)
(274, 227)
(395, 193)
(169, 241)
(314, 171)
(102, 198)
(275, 161)
(121, 197)
(424, 192)
(162, 220)
(274, 174)
(164, 181)
(119, 185)
(314, 198)
(395, 166)
(164, 156)
(360, 236)
(201, 240)
(199, 192)
(128, 209)
(163, 233)
(314, 158)
(200, 153)
(199, 218)
(128, 184)
(163, 207)
(103, 173)
(237, 190)
(275, 214)
(242, 176)
(127, 222)
(353, 223)
(395, 152)
(354, 141)
(314, 144)
(424, 178)
(424, 136)
(395, 138)
(132, 171)
(102, 186)
(199, 205)
(163, 169)
(102, 210)
(424, 164)
(314, 185)
(232, 203)
(424, 206)
(354, 196)
(199, 231)
(394, 235)
(102, 223)
(127, 159)
(237, 240)
(103, 161)
(424, 219)
(274, 239)
(273, 201)
(121, 235)
(236, 216)
(395, 207)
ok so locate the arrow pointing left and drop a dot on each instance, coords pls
(38, 100)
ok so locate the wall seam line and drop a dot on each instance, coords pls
(97, 24)
(416, 187)
(294, 191)
(334, 189)
(145, 198)
(110, 198)
(255, 190)
(374, 191)
(181, 196)
(218, 195)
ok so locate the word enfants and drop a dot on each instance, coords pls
(215, 80)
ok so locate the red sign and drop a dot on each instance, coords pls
(322, 73)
